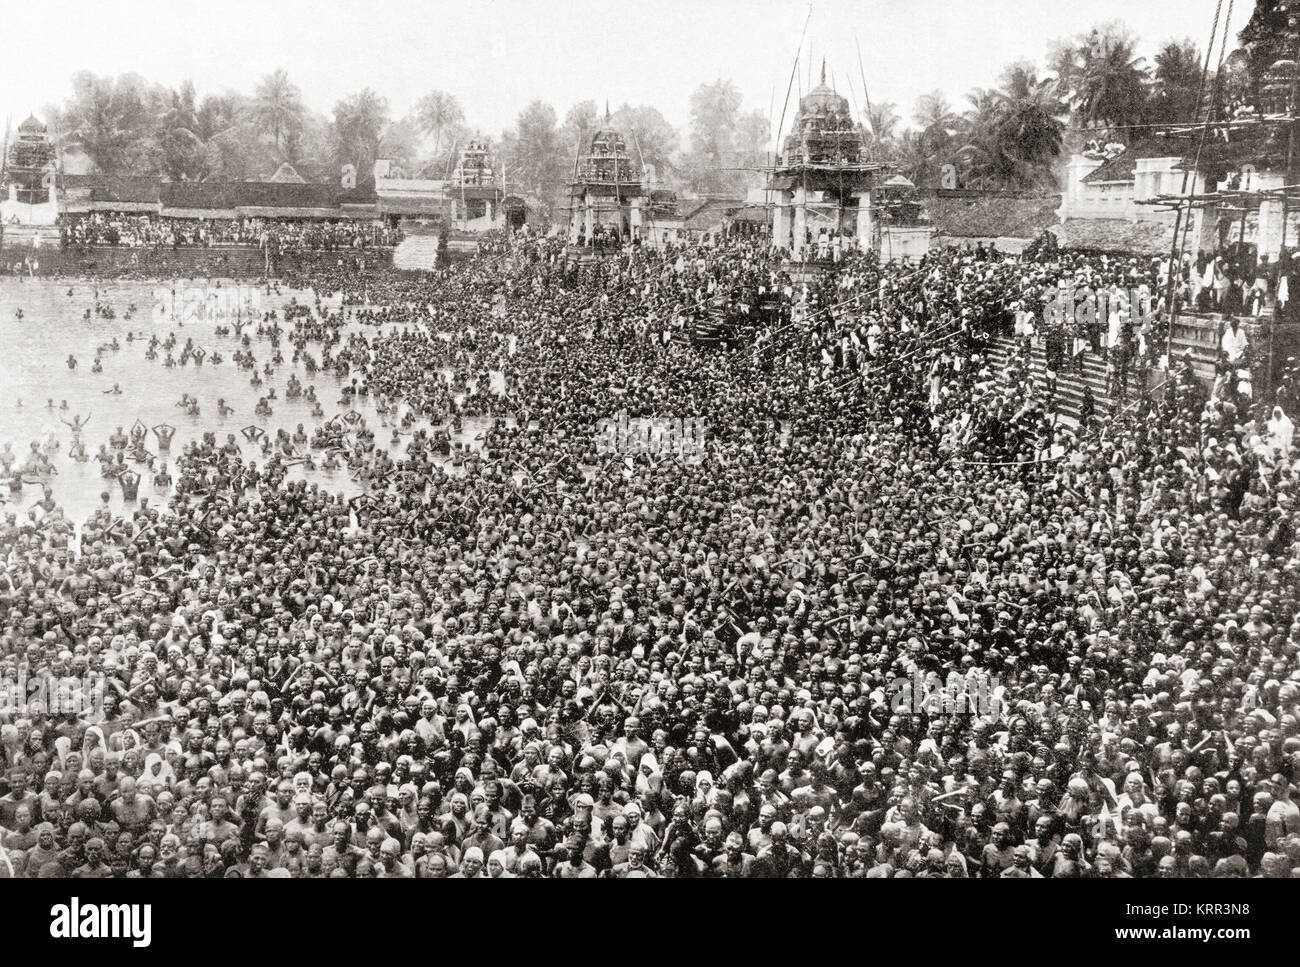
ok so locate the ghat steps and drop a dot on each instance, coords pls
(1070, 384)
(419, 252)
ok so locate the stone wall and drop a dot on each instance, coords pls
(227, 261)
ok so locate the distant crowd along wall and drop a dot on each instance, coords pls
(226, 261)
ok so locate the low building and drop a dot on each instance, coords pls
(1106, 203)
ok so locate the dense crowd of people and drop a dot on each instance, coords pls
(898, 621)
(152, 231)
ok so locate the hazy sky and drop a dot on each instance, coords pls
(497, 55)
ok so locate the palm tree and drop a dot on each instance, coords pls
(1112, 85)
(359, 125)
(278, 105)
(1178, 79)
(114, 121)
(915, 160)
(1030, 128)
(983, 156)
(1064, 63)
(935, 117)
(939, 124)
(435, 113)
(1013, 135)
(881, 128)
(178, 132)
(217, 113)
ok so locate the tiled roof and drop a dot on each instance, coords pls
(111, 188)
(1115, 235)
(1123, 166)
(996, 217)
(216, 196)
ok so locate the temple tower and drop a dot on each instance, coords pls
(821, 184)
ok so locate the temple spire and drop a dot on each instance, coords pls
(606, 110)
(823, 72)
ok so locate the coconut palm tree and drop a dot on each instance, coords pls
(436, 113)
(1177, 81)
(1013, 135)
(881, 128)
(182, 147)
(983, 157)
(1112, 84)
(278, 106)
(360, 122)
(1030, 126)
(936, 119)
(915, 160)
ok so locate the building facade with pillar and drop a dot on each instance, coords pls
(821, 186)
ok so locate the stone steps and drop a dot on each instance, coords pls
(30, 236)
(418, 252)
(1069, 385)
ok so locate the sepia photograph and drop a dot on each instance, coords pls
(735, 439)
